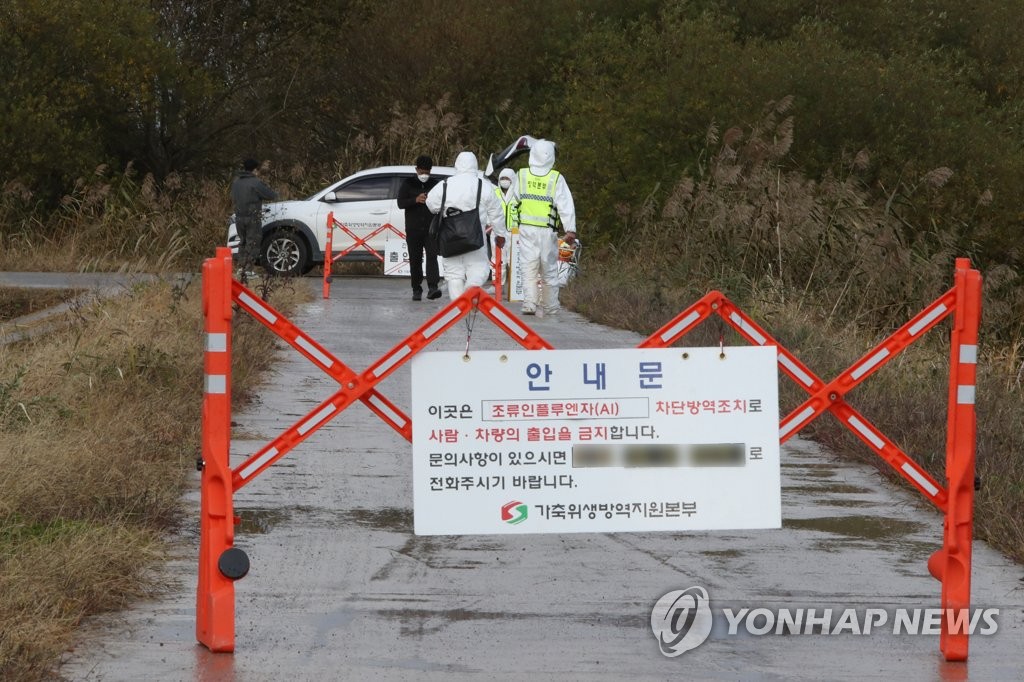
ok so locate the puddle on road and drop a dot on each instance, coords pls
(261, 520)
(864, 527)
(831, 495)
(917, 552)
(387, 518)
(420, 622)
(723, 553)
(822, 472)
(450, 615)
(434, 551)
(912, 558)
(840, 502)
(834, 488)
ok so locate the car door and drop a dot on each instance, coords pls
(362, 205)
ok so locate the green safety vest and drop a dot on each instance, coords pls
(537, 198)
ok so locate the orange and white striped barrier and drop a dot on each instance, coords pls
(220, 563)
(215, 596)
(952, 564)
(357, 242)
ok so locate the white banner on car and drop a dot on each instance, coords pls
(596, 440)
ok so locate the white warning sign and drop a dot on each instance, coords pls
(596, 440)
(396, 255)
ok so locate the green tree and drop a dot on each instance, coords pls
(639, 101)
(72, 76)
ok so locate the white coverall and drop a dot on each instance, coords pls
(539, 245)
(509, 195)
(470, 269)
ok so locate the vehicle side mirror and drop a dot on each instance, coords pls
(331, 197)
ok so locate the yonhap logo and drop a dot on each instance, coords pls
(681, 620)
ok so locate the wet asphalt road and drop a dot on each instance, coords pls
(340, 588)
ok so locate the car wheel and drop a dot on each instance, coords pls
(285, 254)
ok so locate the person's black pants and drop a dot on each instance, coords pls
(250, 230)
(417, 240)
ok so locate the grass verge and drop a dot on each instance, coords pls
(83, 510)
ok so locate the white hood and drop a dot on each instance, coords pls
(465, 162)
(462, 191)
(542, 157)
(513, 183)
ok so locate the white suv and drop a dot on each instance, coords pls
(295, 232)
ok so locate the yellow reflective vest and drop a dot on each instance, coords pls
(509, 208)
(537, 198)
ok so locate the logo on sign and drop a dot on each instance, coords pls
(514, 512)
(681, 620)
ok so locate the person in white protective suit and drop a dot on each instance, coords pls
(543, 201)
(505, 191)
(469, 269)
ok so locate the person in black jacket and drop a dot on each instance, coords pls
(412, 196)
(248, 193)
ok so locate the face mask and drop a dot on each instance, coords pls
(423, 178)
(505, 184)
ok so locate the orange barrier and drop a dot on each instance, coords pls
(215, 596)
(357, 242)
(952, 564)
(220, 563)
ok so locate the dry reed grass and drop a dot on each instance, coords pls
(101, 428)
(829, 274)
(117, 221)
